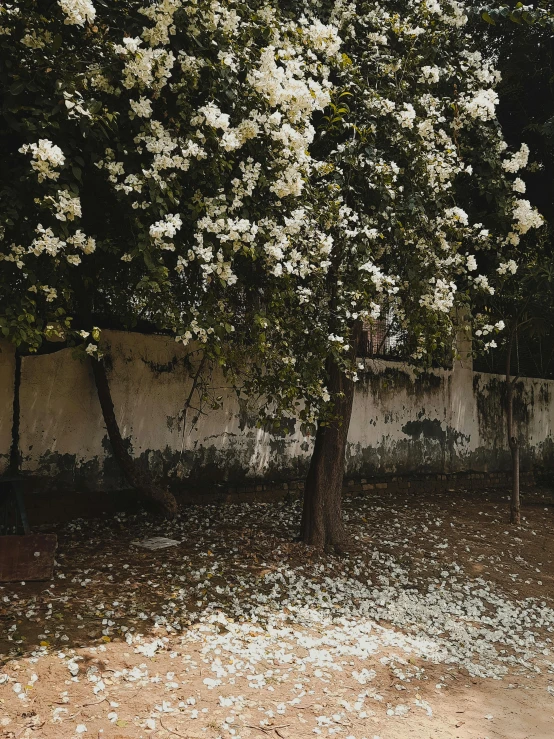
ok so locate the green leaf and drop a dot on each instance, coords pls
(17, 87)
(487, 17)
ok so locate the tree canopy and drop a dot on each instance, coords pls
(259, 179)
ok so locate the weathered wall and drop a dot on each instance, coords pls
(7, 377)
(63, 434)
(440, 422)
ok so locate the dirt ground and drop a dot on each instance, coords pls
(439, 624)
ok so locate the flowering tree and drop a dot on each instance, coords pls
(156, 171)
(254, 179)
(426, 200)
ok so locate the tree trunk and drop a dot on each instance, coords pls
(15, 455)
(322, 525)
(140, 480)
(515, 516)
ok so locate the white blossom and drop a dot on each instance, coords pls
(67, 206)
(517, 161)
(482, 104)
(457, 215)
(141, 107)
(526, 217)
(46, 157)
(83, 242)
(430, 74)
(323, 37)
(214, 117)
(77, 12)
(166, 229)
(441, 298)
(482, 283)
(507, 267)
(407, 115)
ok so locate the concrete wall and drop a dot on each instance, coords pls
(440, 422)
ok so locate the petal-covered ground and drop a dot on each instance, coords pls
(439, 624)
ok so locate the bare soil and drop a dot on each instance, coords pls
(438, 624)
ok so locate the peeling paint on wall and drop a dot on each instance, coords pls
(440, 421)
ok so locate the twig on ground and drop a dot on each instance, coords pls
(259, 728)
(267, 729)
(94, 703)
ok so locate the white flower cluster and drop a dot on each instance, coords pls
(141, 108)
(145, 67)
(407, 115)
(165, 229)
(77, 12)
(46, 242)
(380, 280)
(81, 241)
(281, 79)
(526, 217)
(517, 161)
(323, 37)
(507, 267)
(441, 298)
(456, 215)
(481, 282)
(67, 206)
(161, 13)
(489, 328)
(430, 75)
(214, 117)
(46, 157)
(482, 104)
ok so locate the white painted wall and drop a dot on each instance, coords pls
(445, 421)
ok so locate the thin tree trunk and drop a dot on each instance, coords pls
(515, 516)
(322, 525)
(140, 480)
(15, 454)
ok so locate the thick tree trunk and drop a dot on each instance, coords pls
(515, 516)
(322, 525)
(140, 480)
